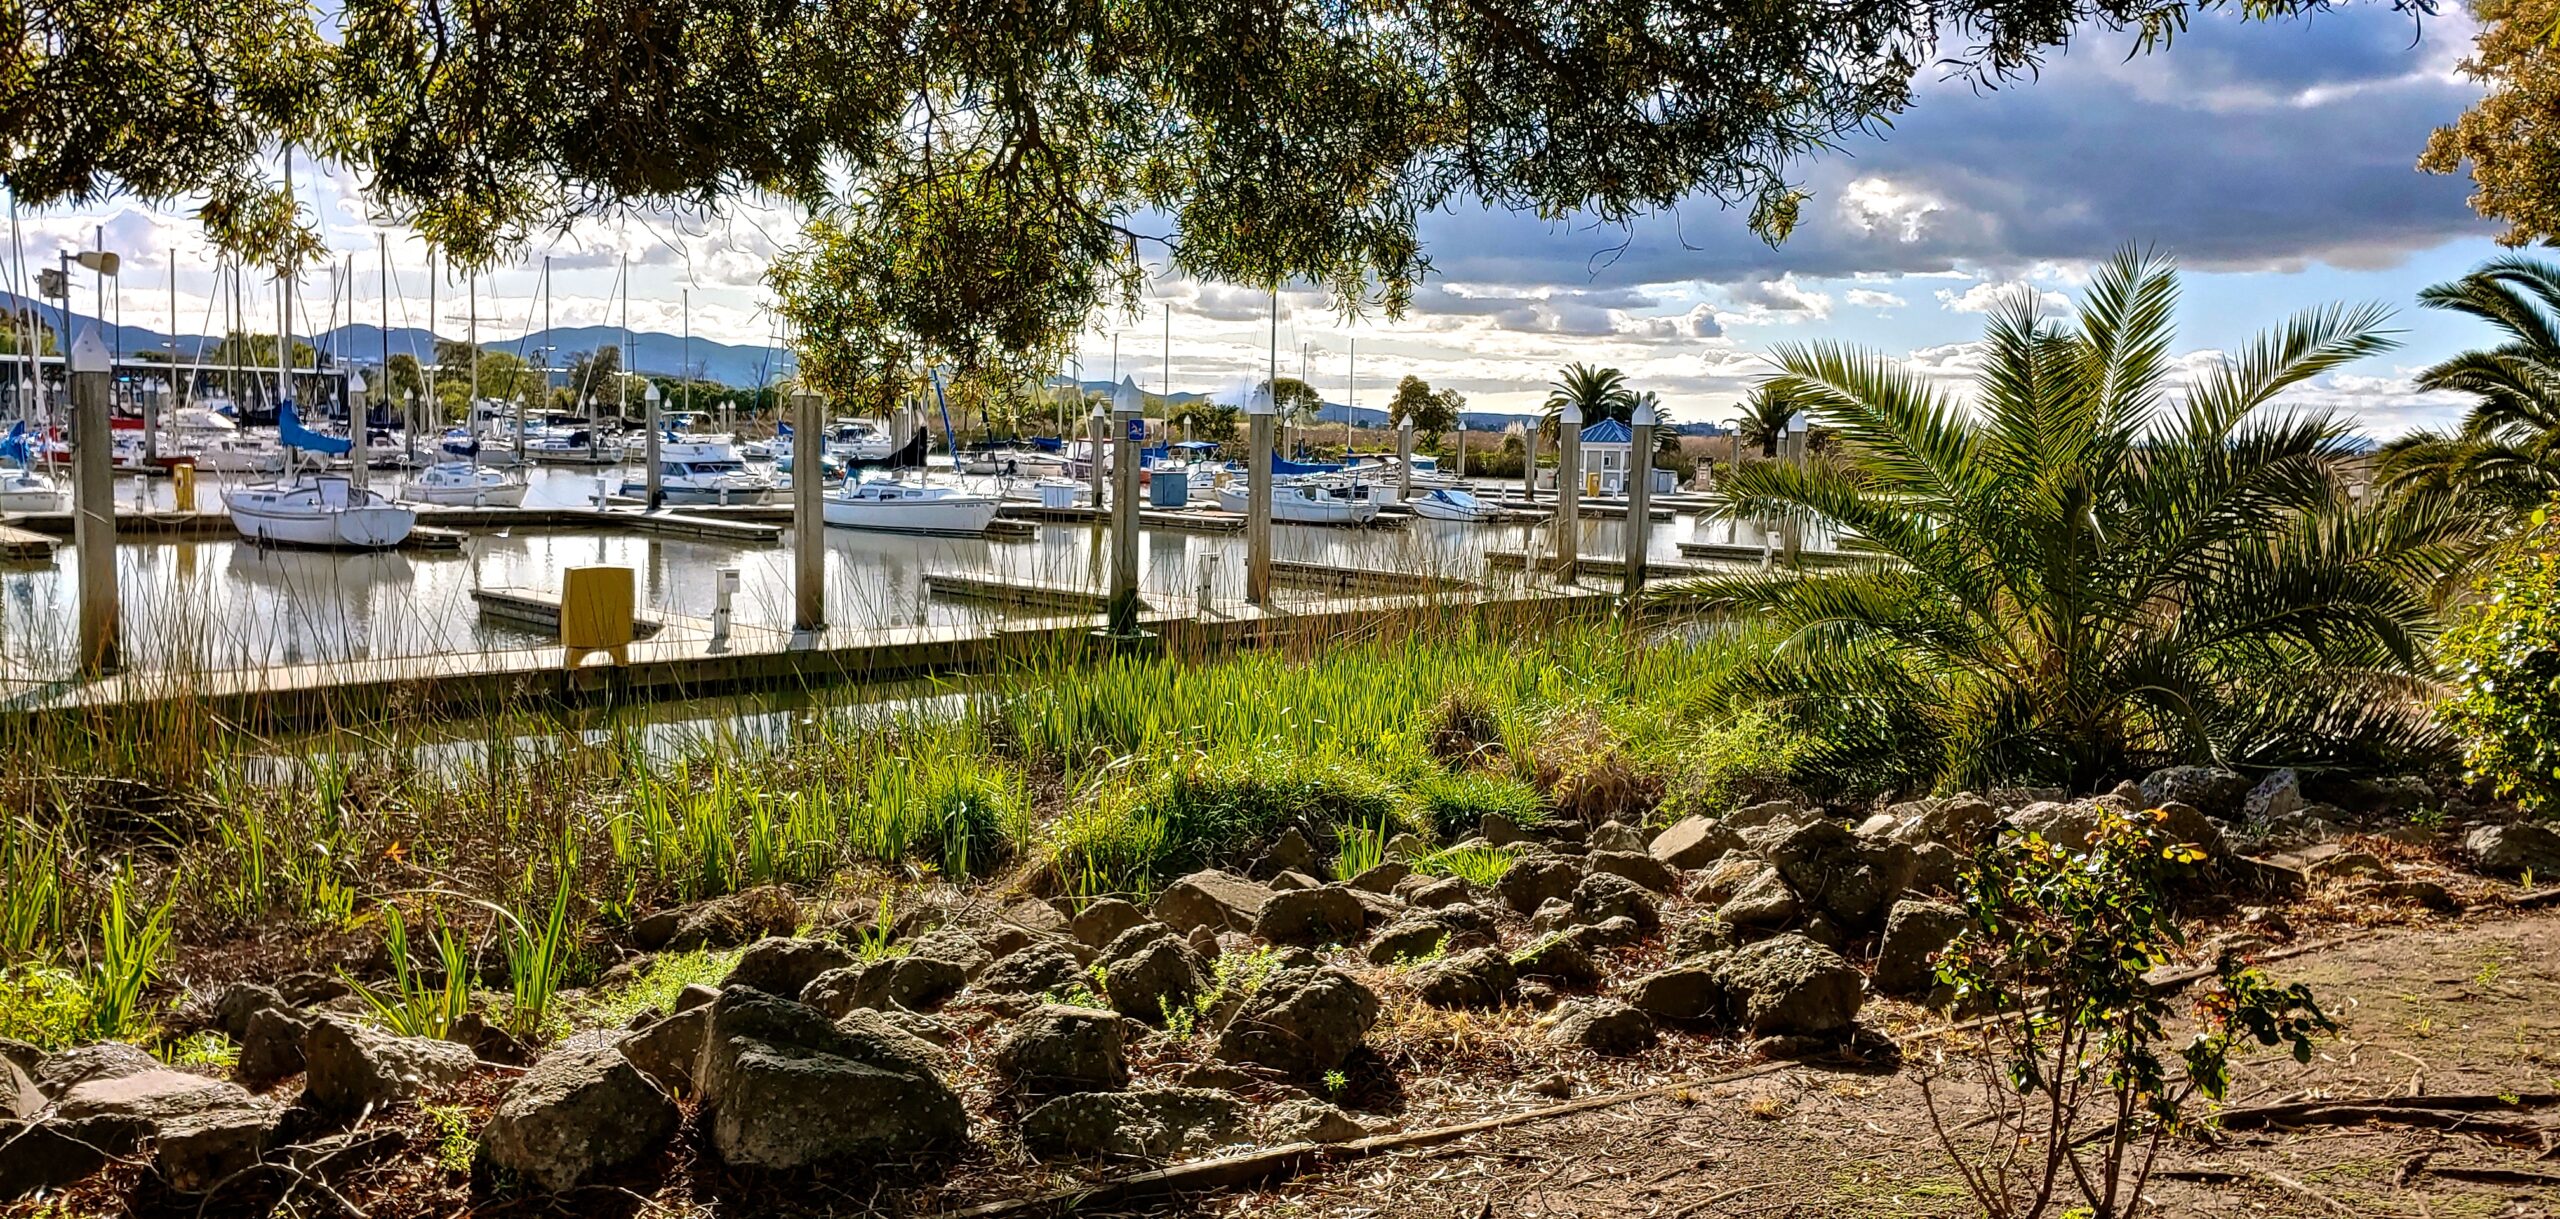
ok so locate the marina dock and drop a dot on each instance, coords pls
(1607, 568)
(1018, 591)
(24, 546)
(524, 607)
(1333, 579)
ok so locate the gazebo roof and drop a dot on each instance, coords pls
(1608, 431)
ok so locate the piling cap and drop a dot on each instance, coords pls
(88, 352)
(1126, 399)
(1644, 414)
(1260, 402)
(1572, 413)
(355, 382)
(1405, 425)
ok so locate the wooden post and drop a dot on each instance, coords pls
(1792, 533)
(1257, 483)
(1128, 435)
(808, 518)
(649, 459)
(1568, 520)
(1097, 429)
(1529, 463)
(1404, 459)
(93, 499)
(1639, 500)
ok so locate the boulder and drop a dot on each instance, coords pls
(1060, 1049)
(198, 1151)
(721, 922)
(1286, 881)
(1766, 900)
(349, 1067)
(1302, 1022)
(1156, 1124)
(582, 1111)
(1769, 812)
(1478, 977)
(1602, 896)
(1693, 842)
(1913, 933)
(904, 1041)
(1308, 1120)
(785, 966)
(1446, 891)
(2218, 793)
(1688, 991)
(1533, 880)
(914, 983)
(2277, 796)
(971, 948)
(667, 1051)
(1153, 978)
(103, 1060)
(2345, 865)
(271, 1046)
(238, 1002)
(53, 1153)
(2512, 850)
(1040, 918)
(1104, 921)
(2184, 824)
(2071, 826)
(1602, 1026)
(1636, 866)
(1419, 933)
(1036, 970)
(1311, 917)
(1699, 936)
(1563, 959)
(1292, 851)
(1222, 901)
(1958, 822)
(1935, 868)
(1789, 986)
(1499, 830)
(1853, 879)
(693, 995)
(149, 1096)
(1382, 878)
(1616, 836)
(785, 1088)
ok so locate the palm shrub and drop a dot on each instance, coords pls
(2503, 461)
(2084, 571)
(2504, 653)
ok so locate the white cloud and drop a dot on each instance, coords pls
(1989, 294)
(1869, 298)
(1876, 205)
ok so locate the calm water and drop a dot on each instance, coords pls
(222, 604)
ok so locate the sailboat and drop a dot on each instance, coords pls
(462, 482)
(22, 488)
(324, 510)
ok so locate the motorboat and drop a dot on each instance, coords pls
(1304, 503)
(894, 507)
(234, 453)
(572, 446)
(465, 484)
(22, 487)
(702, 469)
(325, 510)
(859, 442)
(1451, 504)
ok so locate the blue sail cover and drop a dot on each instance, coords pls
(1280, 465)
(289, 429)
(13, 447)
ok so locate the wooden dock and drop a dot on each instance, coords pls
(1607, 568)
(24, 546)
(1737, 552)
(1018, 591)
(1184, 520)
(526, 608)
(1329, 578)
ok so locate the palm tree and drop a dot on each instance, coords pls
(1602, 393)
(2505, 458)
(1765, 414)
(2085, 574)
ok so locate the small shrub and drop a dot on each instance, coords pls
(655, 989)
(1360, 849)
(1453, 804)
(2504, 656)
(416, 1006)
(1589, 776)
(1747, 759)
(1463, 727)
(1482, 867)
(1189, 812)
(46, 1006)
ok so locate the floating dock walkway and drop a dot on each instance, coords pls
(523, 607)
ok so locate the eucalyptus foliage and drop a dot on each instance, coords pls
(2087, 570)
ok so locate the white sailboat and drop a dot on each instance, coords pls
(22, 487)
(1301, 503)
(700, 470)
(465, 484)
(322, 510)
(887, 506)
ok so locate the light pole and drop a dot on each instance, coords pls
(1258, 413)
(93, 502)
(1568, 519)
(1639, 500)
(808, 522)
(650, 450)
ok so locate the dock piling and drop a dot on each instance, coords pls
(93, 494)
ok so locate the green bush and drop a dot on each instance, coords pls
(2504, 656)
(1186, 813)
(1747, 759)
(1452, 804)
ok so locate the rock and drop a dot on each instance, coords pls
(24, 1056)
(1700, 936)
(1042, 920)
(1554, 1084)
(104, 1060)
(1309, 1121)
(196, 1152)
(488, 1042)
(1616, 836)
(2184, 824)
(2348, 864)
(1060, 1049)
(785, 966)
(694, 994)
(1685, 992)
(1563, 958)
(1769, 812)
(1220, 900)
(1302, 1022)
(1615, 932)
(1854, 880)
(1446, 891)
(2276, 796)
(721, 922)
(1790, 986)
(310, 988)
(238, 1002)
(2512, 850)
(916, 1040)
(784, 1088)
(972, 949)
(911, 982)
(1499, 830)
(1693, 842)
(2020, 797)
(2218, 793)
(1767, 900)
(1288, 881)
(1643, 869)
(1036, 970)
(1420, 933)
(1914, 932)
(1155, 1124)
(1602, 1026)
(1603, 896)
(1382, 878)
(271, 1046)
(1554, 916)
(1935, 868)
(1311, 917)
(667, 1051)
(2071, 826)
(1292, 851)
(1105, 920)
(1534, 880)
(1958, 823)
(1153, 978)
(2426, 893)
(1407, 845)
(149, 1096)
(582, 1111)
(1478, 977)
(1205, 942)
(348, 1067)
(54, 1153)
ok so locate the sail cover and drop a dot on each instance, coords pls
(289, 429)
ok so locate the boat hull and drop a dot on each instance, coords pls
(371, 527)
(45, 500)
(1296, 510)
(952, 517)
(506, 495)
(699, 497)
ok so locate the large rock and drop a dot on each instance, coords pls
(1308, 1120)
(1311, 917)
(1786, 813)
(2275, 798)
(1602, 1026)
(2069, 825)
(1152, 977)
(1959, 822)
(1222, 901)
(668, 1050)
(1563, 959)
(348, 1067)
(1643, 869)
(787, 1089)
(915, 983)
(1104, 921)
(1689, 991)
(2512, 850)
(1854, 880)
(582, 1111)
(785, 966)
(1036, 970)
(199, 1151)
(1479, 977)
(1420, 933)
(1292, 851)
(1789, 986)
(1603, 896)
(1302, 1022)
(2215, 792)
(1765, 900)
(53, 1153)
(1534, 880)
(150, 1096)
(1694, 842)
(721, 922)
(1155, 1124)
(1914, 933)
(103, 1060)
(238, 1002)
(1383, 878)
(271, 1046)
(1060, 1049)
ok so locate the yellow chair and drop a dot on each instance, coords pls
(595, 614)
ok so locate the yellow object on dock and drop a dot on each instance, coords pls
(182, 484)
(595, 614)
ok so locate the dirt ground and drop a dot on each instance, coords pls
(2470, 1007)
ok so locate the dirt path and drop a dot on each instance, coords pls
(2471, 1007)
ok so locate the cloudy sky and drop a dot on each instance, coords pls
(2275, 162)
